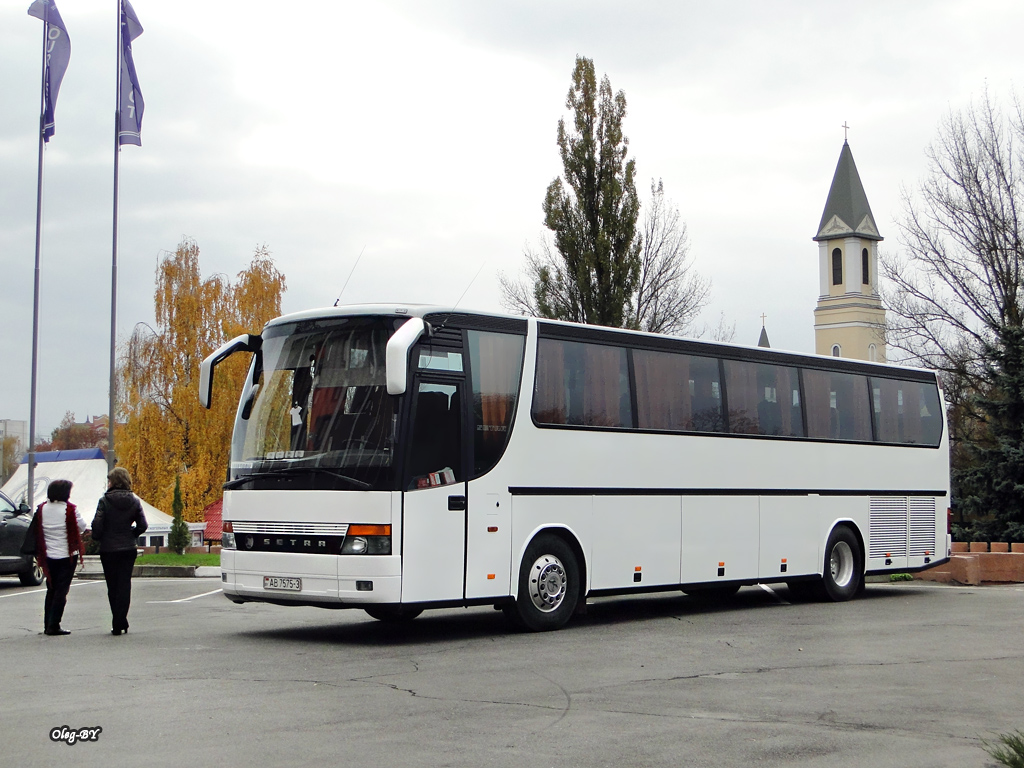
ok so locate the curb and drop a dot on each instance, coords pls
(146, 571)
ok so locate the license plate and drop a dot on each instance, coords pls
(280, 582)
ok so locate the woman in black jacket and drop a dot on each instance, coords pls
(118, 523)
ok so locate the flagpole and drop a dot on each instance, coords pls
(113, 261)
(30, 490)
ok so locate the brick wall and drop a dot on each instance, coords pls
(978, 562)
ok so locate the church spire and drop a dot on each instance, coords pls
(847, 212)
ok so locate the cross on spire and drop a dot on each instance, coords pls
(763, 317)
(846, 131)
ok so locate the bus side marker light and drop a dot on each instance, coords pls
(783, 566)
(721, 569)
(637, 575)
(492, 529)
(490, 576)
(364, 586)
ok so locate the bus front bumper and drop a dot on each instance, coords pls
(334, 581)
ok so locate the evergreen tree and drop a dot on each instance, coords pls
(180, 537)
(992, 486)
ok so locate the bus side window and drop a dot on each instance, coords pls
(582, 384)
(496, 364)
(763, 399)
(837, 406)
(906, 412)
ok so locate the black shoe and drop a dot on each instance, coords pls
(115, 631)
(56, 631)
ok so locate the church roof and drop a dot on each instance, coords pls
(763, 341)
(847, 212)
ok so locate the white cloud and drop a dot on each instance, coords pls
(424, 134)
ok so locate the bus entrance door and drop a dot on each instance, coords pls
(434, 504)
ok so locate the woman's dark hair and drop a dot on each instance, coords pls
(59, 490)
(119, 479)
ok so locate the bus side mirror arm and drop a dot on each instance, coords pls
(397, 354)
(247, 342)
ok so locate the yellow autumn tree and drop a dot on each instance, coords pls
(164, 432)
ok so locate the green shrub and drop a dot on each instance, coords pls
(901, 577)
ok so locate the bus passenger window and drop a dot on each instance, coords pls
(906, 412)
(763, 399)
(677, 392)
(581, 384)
(837, 406)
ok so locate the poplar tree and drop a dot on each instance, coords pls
(605, 267)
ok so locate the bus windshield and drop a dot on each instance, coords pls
(316, 413)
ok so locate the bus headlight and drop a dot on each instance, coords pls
(367, 540)
(227, 537)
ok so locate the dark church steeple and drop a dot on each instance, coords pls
(847, 211)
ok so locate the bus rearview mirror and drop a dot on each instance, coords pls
(397, 353)
(247, 342)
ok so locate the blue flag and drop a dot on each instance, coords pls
(130, 104)
(57, 53)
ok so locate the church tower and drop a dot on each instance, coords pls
(849, 319)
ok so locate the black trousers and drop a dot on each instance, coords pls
(58, 584)
(117, 571)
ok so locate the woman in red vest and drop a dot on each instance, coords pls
(59, 529)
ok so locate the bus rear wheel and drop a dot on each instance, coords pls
(393, 614)
(843, 574)
(549, 586)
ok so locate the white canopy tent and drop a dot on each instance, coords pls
(87, 470)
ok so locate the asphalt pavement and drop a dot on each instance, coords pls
(911, 674)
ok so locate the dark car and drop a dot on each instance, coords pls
(14, 522)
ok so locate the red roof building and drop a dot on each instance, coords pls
(214, 523)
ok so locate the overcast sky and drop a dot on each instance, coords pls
(424, 133)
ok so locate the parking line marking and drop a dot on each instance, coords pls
(774, 594)
(186, 599)
(37, 591)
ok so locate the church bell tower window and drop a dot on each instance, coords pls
(837, 267)
(865, 271)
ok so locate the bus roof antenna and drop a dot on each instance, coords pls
(349, 276)
(455, 306)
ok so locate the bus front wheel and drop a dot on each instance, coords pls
(549, 586)
(844, 565)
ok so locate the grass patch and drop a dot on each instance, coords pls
(901, 577)
(169, 558)
(1008, 749)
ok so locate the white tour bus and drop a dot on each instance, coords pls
(397, 458)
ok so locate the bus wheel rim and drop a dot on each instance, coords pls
(842, 564)
(548, 583)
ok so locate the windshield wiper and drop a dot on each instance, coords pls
(292, 471)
